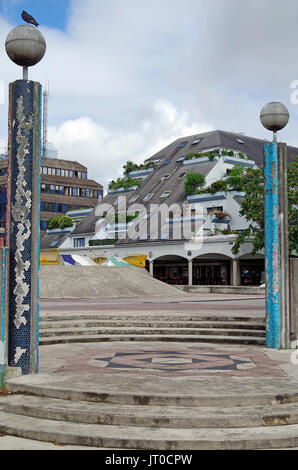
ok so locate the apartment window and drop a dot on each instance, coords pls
(212, 210)
(79, 243)
(182, 174)
(62, 173)
(164, 177)
(66, 173)
(70, 173)
(83, 192)
(148, 197)
(87, 192)
(164, 236)
(43, 188)
(196, 141)
(182, 144)
(133, 199)
(58, 172)
(44, 170)
(84, 175)
(75, 191)
(165, 194)
(54, 243)
(52, 189)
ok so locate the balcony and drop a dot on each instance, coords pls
(196, 161)
(122, 190)
(140, 173)
(220, 195)
(239, 161)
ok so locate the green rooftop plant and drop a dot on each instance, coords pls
(60, 222)
(193, 181)
(124, 183)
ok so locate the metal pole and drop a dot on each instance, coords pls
(25, 73)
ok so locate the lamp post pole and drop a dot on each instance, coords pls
(274, 117)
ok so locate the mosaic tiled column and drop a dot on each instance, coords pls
(4, 266)
(24, 223)
(276, 246)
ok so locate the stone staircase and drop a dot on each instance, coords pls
(157, 326)
(132, 420)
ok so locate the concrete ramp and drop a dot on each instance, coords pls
(60, 282)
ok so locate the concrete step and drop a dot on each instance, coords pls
(148, 331)
(148, 316)
(150, 415)
(154, 337)
(153, 438)
(42, 386)
(46, 325)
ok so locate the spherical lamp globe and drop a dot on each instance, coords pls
(25, 45)
(274, 116)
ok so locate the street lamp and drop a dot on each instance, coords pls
(274, 117)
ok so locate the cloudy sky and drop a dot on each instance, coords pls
(127, 77)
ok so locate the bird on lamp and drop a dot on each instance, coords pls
(29, 19)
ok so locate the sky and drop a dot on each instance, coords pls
(127, 77)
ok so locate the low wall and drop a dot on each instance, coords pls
(223, 290)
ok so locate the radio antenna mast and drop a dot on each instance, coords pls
(46, 96)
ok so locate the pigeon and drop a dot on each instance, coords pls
(29, 19)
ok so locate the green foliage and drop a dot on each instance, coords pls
(253, 209)
(131, 166)
(192, 182)
(220, 185)
(60, 222)
(103, 242)
(125, 183)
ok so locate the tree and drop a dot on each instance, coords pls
(253, 209)
(60, 222)
(192, 182)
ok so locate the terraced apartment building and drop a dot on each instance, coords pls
(170, 258)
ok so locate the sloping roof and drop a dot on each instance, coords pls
(251, 145)
(170, 166)
(49, 239)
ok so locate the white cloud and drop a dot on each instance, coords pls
(215, 64)
(104, 152)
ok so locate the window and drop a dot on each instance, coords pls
(58, 172)
(165, 194)
(148, 197)
(74, 191)
(213, 210)
(182, 174)
(54, 243)
(240, 141)
(167, 162)
(133, 199)
(84, 175)
(181, 159)
(164, 177)
(66, 173)
(196, 141)
(79, 243)
(63, 173)
(44, 170)
(182, 144)
(164, 236)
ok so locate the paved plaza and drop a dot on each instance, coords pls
(196, 385)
